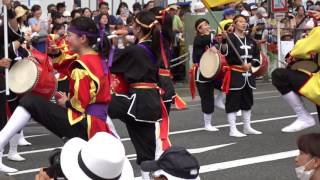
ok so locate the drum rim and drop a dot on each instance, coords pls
(301, 61)
(35, 81)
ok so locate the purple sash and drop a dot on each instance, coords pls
(98, 110)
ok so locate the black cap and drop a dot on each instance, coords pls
(175, 161)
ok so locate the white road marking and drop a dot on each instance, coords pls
(36, 135)
(244, 162)
(130, 156)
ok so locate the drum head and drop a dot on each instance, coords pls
(23, 76)
(309, 66)
(209, 64)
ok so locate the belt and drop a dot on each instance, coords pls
(165, 72)
(144, 85)
(227, 76)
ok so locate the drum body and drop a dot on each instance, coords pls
(211, 65)
(33, 75)
(263, 68)
(118, 84)
(305, 65)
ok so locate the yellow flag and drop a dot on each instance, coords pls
(215, 3)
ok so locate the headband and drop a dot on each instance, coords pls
(75, 30)
(150, 26)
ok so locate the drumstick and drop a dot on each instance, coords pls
(217, 22)
(5, 26)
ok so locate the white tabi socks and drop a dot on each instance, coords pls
(304, 119)
(247, 129)
(18, 120)
(23, 141)
(207, 122)
(234, 132)
(13, 154)
(4, 168)
(219, 100)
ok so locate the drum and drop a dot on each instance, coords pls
(118, 84)
(263, 68)
(33, 74)
(211, 65)
(306, 65)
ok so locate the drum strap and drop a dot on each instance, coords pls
(164, 124)
(227, 77)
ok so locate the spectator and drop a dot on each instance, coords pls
(61, 7)
(102, 157)
(67, 17)
(149, 5)
(76, 13)
(103, 23)
(228, 15)
(86, 12)
(21, 15)
(136, 8)
(199, 8)
(123, 14)
(308, 160)
(51, 8)
(57, 18)
(309, 3)
(253, 9)
(176, 163)
(39, 28)
(104, 9)
(300, 22)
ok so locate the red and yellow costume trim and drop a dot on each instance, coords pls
(164, 124)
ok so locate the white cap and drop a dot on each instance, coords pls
(245, 13)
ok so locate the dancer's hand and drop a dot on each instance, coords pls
(62, 100)
(5, 62)
(246, 66)
(42, 175)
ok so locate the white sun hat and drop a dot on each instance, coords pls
(102, 157)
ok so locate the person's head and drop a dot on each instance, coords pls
(57, 18)
(145, 26)
(202, 26)
(122, 6)
(229, 28)
(75, 13)
(240, 7)
(21, 14)
(264, 4)
(82, 33)
(199, 7)
(309, 3)
(253, 9)
(51, 8)
(136, 8)
(102, 157)
(308, 160)
(61, 7)
(261, 13)
(240, 23)
(58, 29)
(229, 13)
(104, 7)
(36, 11)
(165, 19)
(103, 19)
(297, 3)
(149, 5)
(176, 163)
(300, 11)
(86, 12)
(173, 9)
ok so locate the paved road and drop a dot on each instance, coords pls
(269, 156)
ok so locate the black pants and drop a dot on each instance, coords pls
(239, 99)
(206, 93)
(53, 117)
(286, 80)
(142, 134)
(12, 100)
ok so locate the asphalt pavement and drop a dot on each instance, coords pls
(269, 156)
